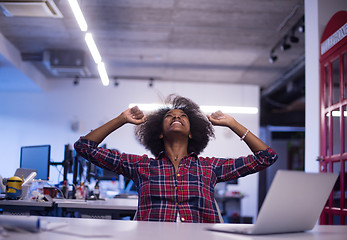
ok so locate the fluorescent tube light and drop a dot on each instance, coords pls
(204, 108)
(103, 74)
(93, 48)
(229, 109)
(78, 15)
(337, 113)
(90, 41)
(148, 107)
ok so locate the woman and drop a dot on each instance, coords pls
(177, 185)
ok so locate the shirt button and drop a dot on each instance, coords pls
(176, 203)
(183, 219)
(178, 175)
(175, 188)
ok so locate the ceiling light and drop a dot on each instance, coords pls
(103, 74)
(150, 82)
(78, 15)
(76, 81)
(229, 109)
(148, 107)
(285, 46)
(336, 114)
(301, 28)
(93, 48)
(294, 39)
(272, 58)
(90, 42)
(207, 109)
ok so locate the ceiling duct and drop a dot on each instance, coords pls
(30, 8)
(66, 63)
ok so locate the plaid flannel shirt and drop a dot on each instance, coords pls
(162, 192)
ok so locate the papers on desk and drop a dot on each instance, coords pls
(36, 224)
(27, 223)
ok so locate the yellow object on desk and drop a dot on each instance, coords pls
(14, 187)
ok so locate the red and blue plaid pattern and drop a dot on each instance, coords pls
(163, 193)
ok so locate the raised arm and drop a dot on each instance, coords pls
(132, 115)
(254, 143)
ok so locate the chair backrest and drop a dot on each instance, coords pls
(219, 213)
(221, 220)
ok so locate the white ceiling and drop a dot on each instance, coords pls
(226, 41)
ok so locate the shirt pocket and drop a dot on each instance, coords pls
(200, 178)
(143, 170)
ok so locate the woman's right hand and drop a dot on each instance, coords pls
(134, 115)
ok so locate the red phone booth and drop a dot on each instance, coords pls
(333, 124)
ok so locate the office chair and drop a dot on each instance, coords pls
(219, 213)
(221, 220)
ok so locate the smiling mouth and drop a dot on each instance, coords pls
(176, 122)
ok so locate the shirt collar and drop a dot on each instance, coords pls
(163, 154)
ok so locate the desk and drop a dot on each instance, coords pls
(105, 209)
(26, 207)
(230, 207)
(81, 228)
(108, 209)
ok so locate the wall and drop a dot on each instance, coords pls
(45, 117)
(317, 15)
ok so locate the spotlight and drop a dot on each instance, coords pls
(285, 46)
(150, 82)
(76, 81)
(301, 28)
(301, 24)
(272, 58)
(116, 82)
(294, 39)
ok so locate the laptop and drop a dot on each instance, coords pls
(25, 172)
(293, 203)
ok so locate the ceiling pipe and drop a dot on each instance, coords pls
(286, 77)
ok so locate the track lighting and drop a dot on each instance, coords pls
(289, 37)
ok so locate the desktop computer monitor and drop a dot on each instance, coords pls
(37, 158)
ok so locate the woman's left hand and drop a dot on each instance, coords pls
(220, 119)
